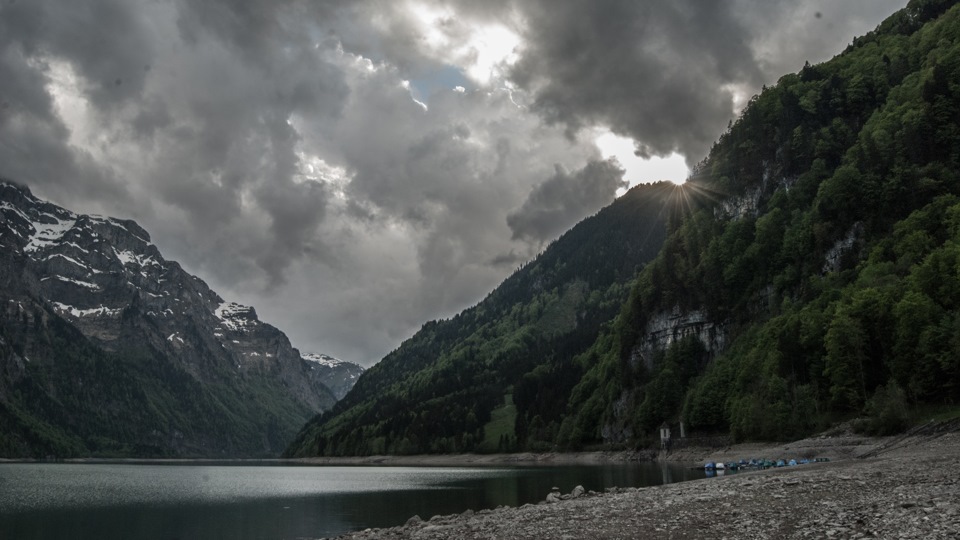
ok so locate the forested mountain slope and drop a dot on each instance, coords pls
(814, 275)
(825, 278)
(107, 348)
(477, 382)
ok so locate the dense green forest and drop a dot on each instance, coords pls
(820, 237)
(496, 376)
(839, 292)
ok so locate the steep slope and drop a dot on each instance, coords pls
(464, 384)
(814, 276)
(337, 375)
(106, 347)
(823, 280)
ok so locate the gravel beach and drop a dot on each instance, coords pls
(902, 487)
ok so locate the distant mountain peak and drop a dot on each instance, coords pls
(340, 374)
(322, 359)
(105, 278)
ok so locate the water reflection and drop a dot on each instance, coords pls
(257, 502)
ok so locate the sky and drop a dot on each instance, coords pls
(353, 169)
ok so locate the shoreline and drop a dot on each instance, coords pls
(837, 445)
(426, 460)
(899, 487)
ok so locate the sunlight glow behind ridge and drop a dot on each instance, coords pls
(641, 170)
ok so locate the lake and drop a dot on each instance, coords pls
(107, 501)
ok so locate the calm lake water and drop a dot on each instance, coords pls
(107, 501)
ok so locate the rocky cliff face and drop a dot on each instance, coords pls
(338, 375)
(104, 277)
(668, 327)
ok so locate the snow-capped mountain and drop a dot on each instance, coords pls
(104, 277)
(338, 375)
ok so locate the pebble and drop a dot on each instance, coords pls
(909, 492)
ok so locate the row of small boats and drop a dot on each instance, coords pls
(758, 464)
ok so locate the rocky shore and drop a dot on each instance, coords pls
(904, 487)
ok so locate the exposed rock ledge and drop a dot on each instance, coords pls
(910, 490)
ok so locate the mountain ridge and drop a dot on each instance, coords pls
(103, 277)
(824, 179)
(338, 375)
(454, 376)
(811, 277)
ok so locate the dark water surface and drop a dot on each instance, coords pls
(107, 501)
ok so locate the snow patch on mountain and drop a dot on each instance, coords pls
(48, 234)
(72, 261)
(118, 224)
(338, 375)
(236, 317)
(101, 311)
(84, 284)
(8, 207)
(322, 359)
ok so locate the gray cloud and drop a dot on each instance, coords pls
(665, 72)
(668, 73)
(446, 176)
(792, 33)
(566, 197)
(653, 70)
(34, 141)
(102, 39)
(274, 149)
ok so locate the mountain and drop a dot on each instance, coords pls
(337, 375)
(106, 348)
(823, 281)
(463, 384)
(810, 273)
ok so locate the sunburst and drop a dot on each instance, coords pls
(697, 192)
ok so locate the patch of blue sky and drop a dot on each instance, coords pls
(444, 79)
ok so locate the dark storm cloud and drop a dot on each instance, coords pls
(813, 31)
(34, 142)
(104, 38)
(664, 72)
(566, 198)
(653, 70)
(296, 210)
(275, 150)
(214, 107)
(668, 73)
(447, 175)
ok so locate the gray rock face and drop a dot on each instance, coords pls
(338, 375)
(833, 260)
(667, 327)
(105, 277)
